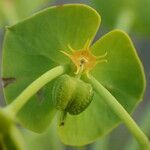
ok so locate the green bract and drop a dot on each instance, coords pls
(33, 47)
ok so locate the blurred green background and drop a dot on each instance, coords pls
(130, 16)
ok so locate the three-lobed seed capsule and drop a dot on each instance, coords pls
(71, 94)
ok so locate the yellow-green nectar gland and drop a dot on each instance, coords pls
(83, 59)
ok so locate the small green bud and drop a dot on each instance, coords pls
(72, 94)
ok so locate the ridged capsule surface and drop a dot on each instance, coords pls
(71, 94)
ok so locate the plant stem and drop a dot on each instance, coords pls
(34, 87)
(120, 112)
(144, 124)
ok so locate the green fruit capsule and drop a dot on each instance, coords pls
(71, 94)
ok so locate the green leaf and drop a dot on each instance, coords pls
(33, 46)
(122, 75)
(144, 122)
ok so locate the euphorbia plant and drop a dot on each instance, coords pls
(50, 65)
